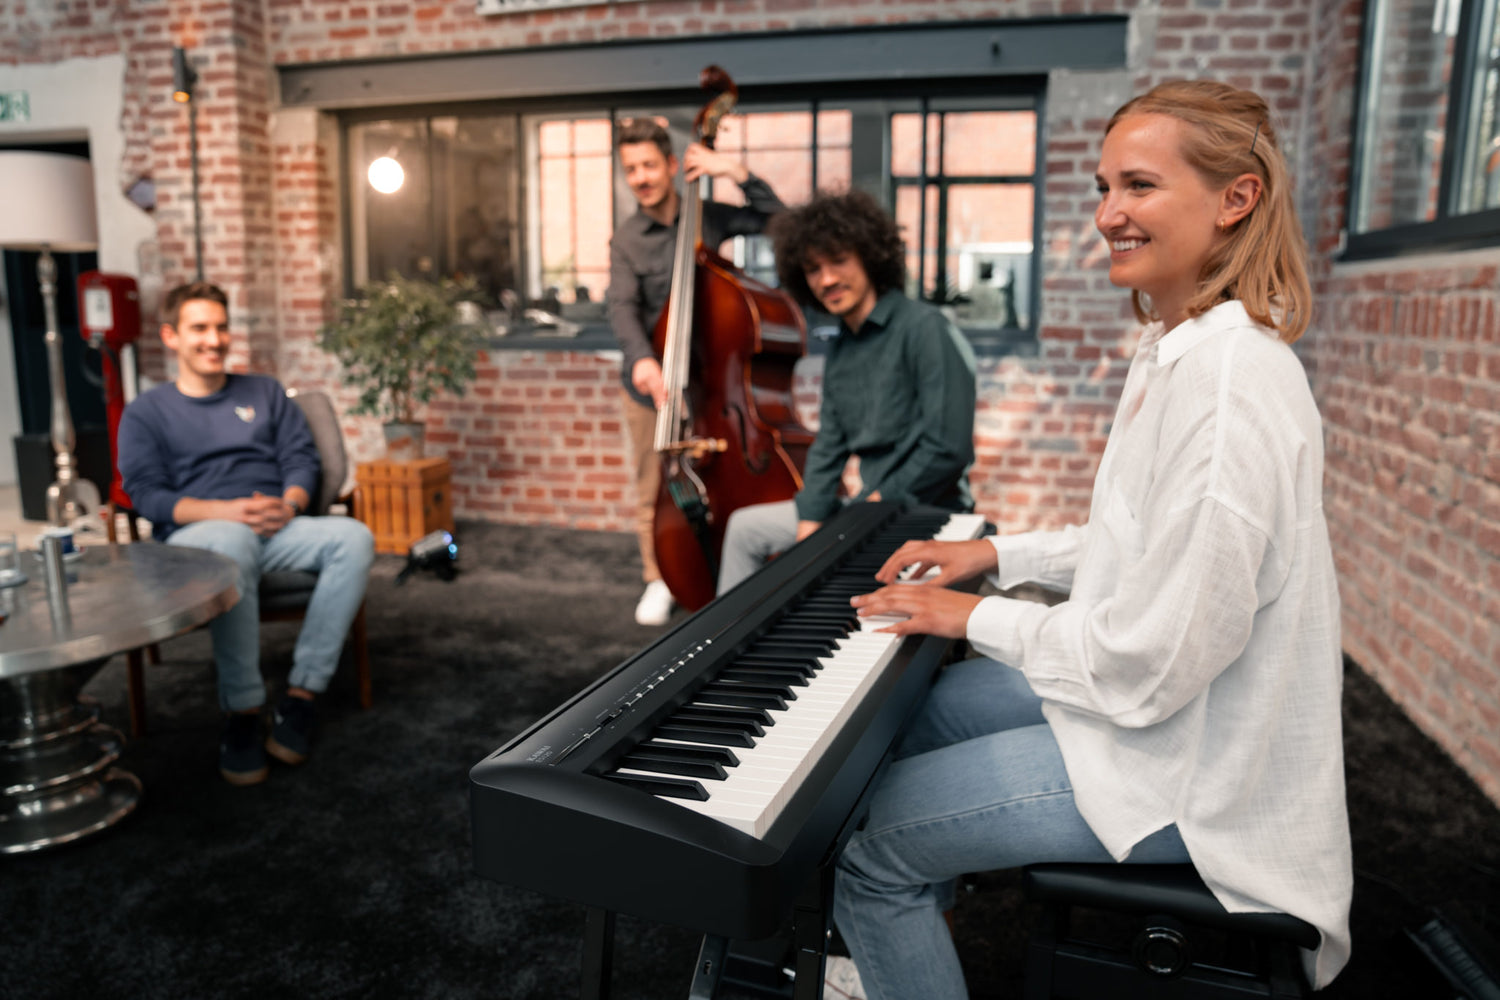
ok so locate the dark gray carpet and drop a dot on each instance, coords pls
(351, 876)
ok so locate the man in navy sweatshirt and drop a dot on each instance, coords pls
(226, 462)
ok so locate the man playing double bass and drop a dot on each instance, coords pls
(898, 383)
(640, 281)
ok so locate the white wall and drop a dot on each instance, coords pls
(80, 99)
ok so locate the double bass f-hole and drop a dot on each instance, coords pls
(758, 462)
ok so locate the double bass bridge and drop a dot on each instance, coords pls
(695, 448)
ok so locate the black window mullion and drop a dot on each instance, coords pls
(1460, 99)
(922, 204)
(940, 263)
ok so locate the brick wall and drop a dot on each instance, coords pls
(1405, 358)
(1403, 355)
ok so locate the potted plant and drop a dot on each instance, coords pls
(403, 341)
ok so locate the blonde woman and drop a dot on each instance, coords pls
(1183, 703)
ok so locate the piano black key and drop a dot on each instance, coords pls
(748, 699)
(820, 647)
(844, 616)
(703, 734)
(677, 751)
(689, 717)
(676, 788)
(775, 689)
(807, 666)
(684, 768)
(806, 632)
(757, 715)
(764, 675)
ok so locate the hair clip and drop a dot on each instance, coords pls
(1255, 138)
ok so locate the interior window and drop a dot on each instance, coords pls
(526, 204)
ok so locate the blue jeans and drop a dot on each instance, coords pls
(978, 784)
(338, 549)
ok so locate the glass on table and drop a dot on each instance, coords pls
(10, 560)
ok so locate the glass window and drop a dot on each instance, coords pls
(573, 215)
(965, 181)
(525, 204)
(1427, 143)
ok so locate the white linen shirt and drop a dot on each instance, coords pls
(1194, 674)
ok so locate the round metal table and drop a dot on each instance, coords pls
(58, 781)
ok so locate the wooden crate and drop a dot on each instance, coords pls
(402, 501)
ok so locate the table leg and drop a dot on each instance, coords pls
(58, 781)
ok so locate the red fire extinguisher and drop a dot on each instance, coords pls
(109, 310)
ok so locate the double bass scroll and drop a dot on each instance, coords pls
(728, 434)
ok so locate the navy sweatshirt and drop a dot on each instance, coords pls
(248, 437)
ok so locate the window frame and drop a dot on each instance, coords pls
(1449, 231)
(933, 96)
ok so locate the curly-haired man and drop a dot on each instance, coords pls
(898, 382)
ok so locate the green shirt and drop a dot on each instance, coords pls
(899, 393)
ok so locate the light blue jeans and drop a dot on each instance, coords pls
(338, 549)
(979, 784)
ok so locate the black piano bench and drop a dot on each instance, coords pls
(1185, 945)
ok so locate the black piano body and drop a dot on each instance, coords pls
(544, 818)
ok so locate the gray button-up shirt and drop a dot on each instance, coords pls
(640, 265)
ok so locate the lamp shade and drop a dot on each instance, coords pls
(49, 202)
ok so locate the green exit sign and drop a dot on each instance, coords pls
(15, 106)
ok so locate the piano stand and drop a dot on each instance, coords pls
(811, 930)
(709, 968)
(598, 953)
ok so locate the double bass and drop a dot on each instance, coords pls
(728, 434)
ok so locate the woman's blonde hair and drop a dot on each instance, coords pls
(1262, 262)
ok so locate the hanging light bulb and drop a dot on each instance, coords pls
(386, 175)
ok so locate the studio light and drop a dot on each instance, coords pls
(183, 76)
(386, 175)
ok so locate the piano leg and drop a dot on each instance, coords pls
(598, 954)
(810, 932)
(709, 968)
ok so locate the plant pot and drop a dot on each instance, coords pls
(403, 442)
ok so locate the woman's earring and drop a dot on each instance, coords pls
(1223, 226)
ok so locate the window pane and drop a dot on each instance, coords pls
(393, 228)
(481, 194)
(1405, 113)
(989, 254)
(776, 146)
(989, 143)
(1479, 183)
(921, 262)
(573, 221)
(906, 145)
(834, 170)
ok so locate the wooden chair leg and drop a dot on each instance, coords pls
(361, 657)
(135, 692)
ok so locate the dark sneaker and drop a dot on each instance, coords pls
(242, 759)
(291, 736)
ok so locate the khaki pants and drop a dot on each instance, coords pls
(640, 421)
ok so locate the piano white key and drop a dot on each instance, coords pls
(753, 794)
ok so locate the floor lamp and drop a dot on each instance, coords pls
(51, 207)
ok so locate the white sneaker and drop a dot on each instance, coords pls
(655, 605)
(841, 979)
